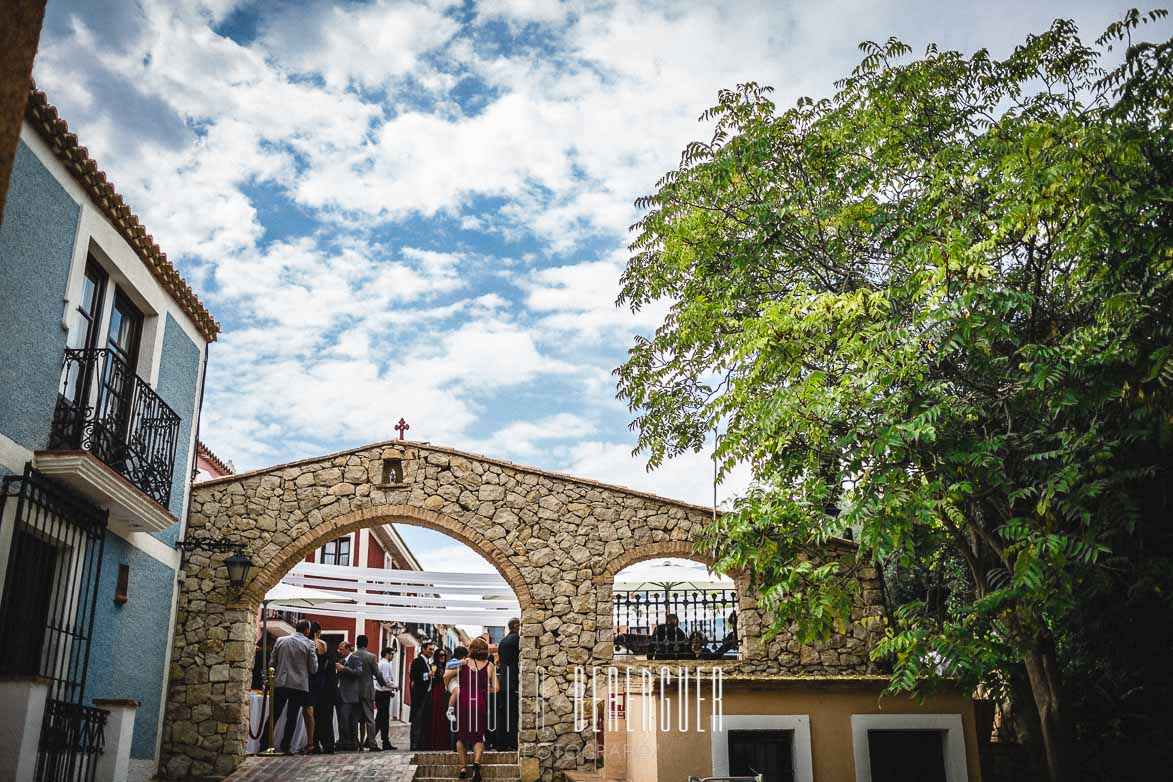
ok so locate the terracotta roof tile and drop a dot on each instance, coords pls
(43, 116)
(220, 464)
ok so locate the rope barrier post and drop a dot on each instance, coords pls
(272, 750)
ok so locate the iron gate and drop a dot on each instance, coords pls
(55, 540)
(707, 623)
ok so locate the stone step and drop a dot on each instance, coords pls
(452, 771)
(452, 759)
(454, 774)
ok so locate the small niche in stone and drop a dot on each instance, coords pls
(392, 471)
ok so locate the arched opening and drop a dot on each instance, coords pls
(673, 608)
(400, 580)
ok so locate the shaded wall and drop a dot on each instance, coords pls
(129, 647)
(179, 379)
(36, 246)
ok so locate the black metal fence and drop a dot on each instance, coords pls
(705, 626)
(108, 410)
(73, 737)
(55, 540)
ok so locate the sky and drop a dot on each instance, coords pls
(420, 208)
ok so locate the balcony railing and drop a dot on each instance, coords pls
(706, 624)
(108, 410)
(287, 615)
(73, 737)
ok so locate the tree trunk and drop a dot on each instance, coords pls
(1042, 669)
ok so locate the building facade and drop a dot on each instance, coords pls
(101, 370)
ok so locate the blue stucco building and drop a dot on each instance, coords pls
(101, 372)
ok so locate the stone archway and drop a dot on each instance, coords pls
(556, 539)
(271, 572)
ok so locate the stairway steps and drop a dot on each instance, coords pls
(452, 759)
(453, 771)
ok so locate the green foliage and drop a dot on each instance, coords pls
(939, 303)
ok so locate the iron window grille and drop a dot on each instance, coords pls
(55, 542)
(108, 410)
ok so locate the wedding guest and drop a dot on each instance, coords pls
(295, 660)
(439, 735)
(478, 680)
(452, 688)
(668, 641)
(312, 696)
(364, 667)
(509, 658)
(347, 702)
(421, 680)
(325, 685)
(383, 694)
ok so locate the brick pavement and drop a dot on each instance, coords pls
(340, 767)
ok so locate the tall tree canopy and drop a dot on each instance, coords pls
(937, 310)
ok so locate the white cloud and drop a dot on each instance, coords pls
(526, 11)
(452, 558)
(366, 45)
(688, 477)
(579, 300)
(537, 442)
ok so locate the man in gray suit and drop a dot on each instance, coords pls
(295, 659)
(357, 678)
(347, 701)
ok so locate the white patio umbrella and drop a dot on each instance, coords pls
(290, 596)
(667, 576)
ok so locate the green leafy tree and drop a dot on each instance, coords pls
(935, 309)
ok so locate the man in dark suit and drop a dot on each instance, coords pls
(421, 694)
(362, 667)
(508, 674)
(668, 641)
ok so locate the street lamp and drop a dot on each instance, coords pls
(238, 566)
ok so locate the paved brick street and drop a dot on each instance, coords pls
(342, 767)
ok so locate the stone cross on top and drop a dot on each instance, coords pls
(402, 427)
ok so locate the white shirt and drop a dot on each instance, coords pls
(385, 669)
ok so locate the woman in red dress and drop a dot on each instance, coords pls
(437, 737)
(477, 679)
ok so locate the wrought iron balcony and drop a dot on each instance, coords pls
(108, 410)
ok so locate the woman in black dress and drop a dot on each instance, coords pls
(323, 694)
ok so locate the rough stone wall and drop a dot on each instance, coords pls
(557, 540)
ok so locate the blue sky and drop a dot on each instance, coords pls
(419, 208)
